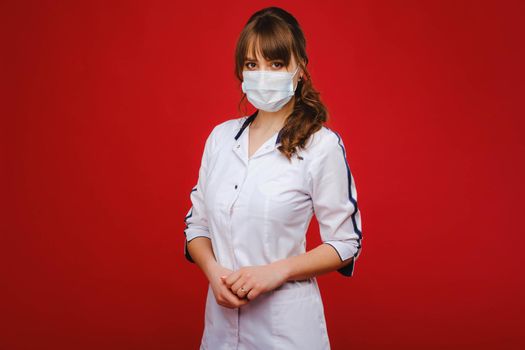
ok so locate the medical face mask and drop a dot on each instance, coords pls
(267, 90)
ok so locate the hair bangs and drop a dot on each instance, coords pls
(271, 40)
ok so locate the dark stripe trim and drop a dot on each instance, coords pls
(279, 137)
(191, 212)
(348, 174)
(189, 215)
(186, 252)
(348, 269)
(248, 122)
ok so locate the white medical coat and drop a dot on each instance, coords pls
(257, 210)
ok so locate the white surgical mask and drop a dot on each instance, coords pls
(268, 90)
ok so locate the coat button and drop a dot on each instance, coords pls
(235, 186)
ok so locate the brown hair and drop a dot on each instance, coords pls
(278, 35)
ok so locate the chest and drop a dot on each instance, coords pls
(256, 139)
(262, 183)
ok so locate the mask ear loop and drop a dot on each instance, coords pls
(295, 72)
(300, 78)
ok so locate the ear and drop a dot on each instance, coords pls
(301, 76)
(303, 62)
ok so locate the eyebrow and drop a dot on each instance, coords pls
(255, 60)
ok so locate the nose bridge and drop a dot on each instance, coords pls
(265, 65)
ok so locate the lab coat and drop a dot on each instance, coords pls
(257, 210)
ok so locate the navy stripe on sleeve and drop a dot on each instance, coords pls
(186, 252)
(349, 269)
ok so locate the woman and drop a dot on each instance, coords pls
(261, 179)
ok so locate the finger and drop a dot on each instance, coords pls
(238, 284)
(228, 292)
(233, 299)
(223, 281)
(252, 294)
(242, 293)
(242, 302)
(231, 278)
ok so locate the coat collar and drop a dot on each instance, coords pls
(248, 121)
(240, 146)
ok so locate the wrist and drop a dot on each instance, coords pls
(209, 267)
(283, 268)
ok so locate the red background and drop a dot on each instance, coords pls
(106, 107)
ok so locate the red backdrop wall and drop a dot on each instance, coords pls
(106, 107)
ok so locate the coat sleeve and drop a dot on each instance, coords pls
(196, 222)
(334, 198)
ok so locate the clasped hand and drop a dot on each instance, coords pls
(236, 288)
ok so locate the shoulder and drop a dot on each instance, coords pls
(227, 127)
(326, 152)
(324, 141)
(224, 131)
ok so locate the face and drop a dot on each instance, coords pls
(260, 63)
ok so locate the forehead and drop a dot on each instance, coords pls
(254, 52)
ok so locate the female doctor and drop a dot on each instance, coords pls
(261, 179)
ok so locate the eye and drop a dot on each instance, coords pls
(279, 65)
(247, 65)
